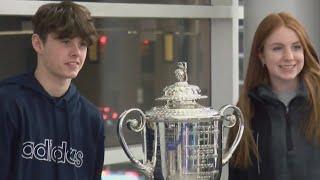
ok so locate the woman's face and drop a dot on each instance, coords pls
(283, 56)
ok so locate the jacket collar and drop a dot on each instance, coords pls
(264, 94)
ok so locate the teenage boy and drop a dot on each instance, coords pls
(48, 131)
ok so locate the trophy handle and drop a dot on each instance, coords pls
(138, 125)
(232, 121)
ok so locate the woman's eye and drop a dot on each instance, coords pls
(297, 47)
(277, 48)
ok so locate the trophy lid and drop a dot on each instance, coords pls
(181, 90)
(181, 101)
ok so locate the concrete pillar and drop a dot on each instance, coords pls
(225, 63)
(224, 57)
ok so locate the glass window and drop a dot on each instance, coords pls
(131, 63)
(181, 2)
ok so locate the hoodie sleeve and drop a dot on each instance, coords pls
(100, 152)
(7, 139)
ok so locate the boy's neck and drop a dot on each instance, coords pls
(53, 86)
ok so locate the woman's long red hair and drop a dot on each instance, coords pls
(256, 75)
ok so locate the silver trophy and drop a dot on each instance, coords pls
(189, 135)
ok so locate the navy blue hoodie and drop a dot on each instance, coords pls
(46, 138)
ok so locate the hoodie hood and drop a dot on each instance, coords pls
(28, 81)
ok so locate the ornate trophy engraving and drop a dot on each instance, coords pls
(189, 135)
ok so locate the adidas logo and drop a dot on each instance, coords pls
(46, 152)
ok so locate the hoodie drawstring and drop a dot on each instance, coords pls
(69, 129)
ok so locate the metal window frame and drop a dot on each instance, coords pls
(129, 10)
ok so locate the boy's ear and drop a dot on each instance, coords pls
(37, 43)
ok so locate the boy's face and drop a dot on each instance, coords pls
(60, 58)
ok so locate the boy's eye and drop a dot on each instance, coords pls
(65, 41)
(84, 44)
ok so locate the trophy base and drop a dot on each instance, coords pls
(215, 175)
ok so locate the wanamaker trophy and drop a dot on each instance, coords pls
(189, 135)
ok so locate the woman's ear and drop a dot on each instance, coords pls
(261, 57)
(37, 43)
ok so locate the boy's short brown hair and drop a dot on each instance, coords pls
(66, 20)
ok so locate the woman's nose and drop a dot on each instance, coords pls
(288, 54)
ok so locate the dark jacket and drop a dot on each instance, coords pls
(285, 152)
(46, 138)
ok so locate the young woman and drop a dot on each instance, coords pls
(280, 101)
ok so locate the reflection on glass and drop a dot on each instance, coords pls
(129, 65)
